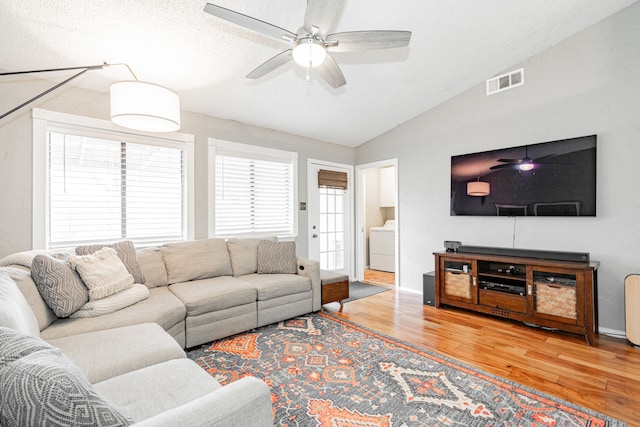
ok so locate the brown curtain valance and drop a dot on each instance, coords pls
(332, 179)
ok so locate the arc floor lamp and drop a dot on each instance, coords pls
(134, 104)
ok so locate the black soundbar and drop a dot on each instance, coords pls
(526, 253)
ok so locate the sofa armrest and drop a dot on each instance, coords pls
(311, 269)
(246, 402)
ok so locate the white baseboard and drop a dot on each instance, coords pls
(410, 291)
(612, 333)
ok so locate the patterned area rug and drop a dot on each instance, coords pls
(325, 371)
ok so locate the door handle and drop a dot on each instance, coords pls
(314, 236)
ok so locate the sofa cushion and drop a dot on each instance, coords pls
(112, 303)
(102, 272)
(152, 264)
(162, 307)
(158, 388)
(244, 254)
(198, 259)
(59, 284)
(131, 347)
(15, 312)
(22, 277)
(217, 293)
(277, 257)
(126, 252)
(269, 286)
(44, 387)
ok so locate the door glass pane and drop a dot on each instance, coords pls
(332, 229)
(331, 223)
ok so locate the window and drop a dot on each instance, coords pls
(94, 183)
(254, 190)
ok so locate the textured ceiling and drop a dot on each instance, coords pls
(455, 45)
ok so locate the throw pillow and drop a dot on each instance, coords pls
(126, 252)
(102, 272)
(112, 303)
(277, 257)
(44, 387)
(59, 284)
(15, 344)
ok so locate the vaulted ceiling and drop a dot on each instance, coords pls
(455, 45)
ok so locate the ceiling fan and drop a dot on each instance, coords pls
(524, 164)
(311, 46)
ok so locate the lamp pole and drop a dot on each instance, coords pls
(83, 69)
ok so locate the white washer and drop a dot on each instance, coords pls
(382, 247)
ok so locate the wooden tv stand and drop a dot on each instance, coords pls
(547, 293)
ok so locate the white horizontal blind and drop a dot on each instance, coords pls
(105, 190)
(253, 196)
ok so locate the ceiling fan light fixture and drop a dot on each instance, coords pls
(144, 106)
(309, 52)
(526, 166)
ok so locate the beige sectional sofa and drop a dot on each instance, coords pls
(194, 292)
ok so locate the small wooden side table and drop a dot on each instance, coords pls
(335, 287)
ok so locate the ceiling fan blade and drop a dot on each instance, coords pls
(330, 71)
(270, 65)
(249, 22)
(320, 14)
(367, 40)
(509, 160)
(506, 165)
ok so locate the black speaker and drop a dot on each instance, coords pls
(429, 288)
(526, 253)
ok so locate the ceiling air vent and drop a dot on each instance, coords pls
(505, 81)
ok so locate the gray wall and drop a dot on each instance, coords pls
(586, 85)
(16, 150)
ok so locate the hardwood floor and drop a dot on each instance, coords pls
(604, 377)
(378, 277)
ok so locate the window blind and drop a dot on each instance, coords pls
(253, 195)
(332, 179)
(105, 190)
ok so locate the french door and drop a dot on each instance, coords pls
(330, 217)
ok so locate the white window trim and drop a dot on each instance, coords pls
(220, 146)
(44, 121)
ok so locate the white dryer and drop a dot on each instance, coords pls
(382, 247)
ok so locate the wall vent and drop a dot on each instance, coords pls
(505, 81)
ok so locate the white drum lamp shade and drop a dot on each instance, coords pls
(478, 188)
(144, 106)
(309, 52)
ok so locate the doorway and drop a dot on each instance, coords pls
(330, 209)
(377, 229)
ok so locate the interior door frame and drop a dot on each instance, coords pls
(312, 184)
(359, 219)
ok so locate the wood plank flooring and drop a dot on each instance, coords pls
(379, 277)
(604, 377)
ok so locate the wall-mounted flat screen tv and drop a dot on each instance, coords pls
(556, 178)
